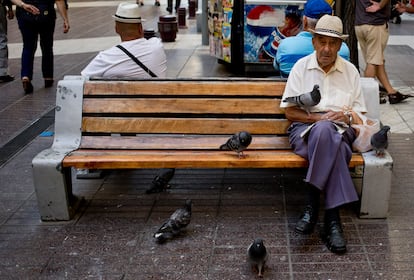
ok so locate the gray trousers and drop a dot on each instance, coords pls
(328, 153)
(4, 52)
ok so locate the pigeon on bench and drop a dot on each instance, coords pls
(175, 223)
(238, 143)
(306, 100)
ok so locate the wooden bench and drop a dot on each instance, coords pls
(117, 124)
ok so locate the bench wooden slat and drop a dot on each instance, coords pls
(177, 142)
(159, 87)
(187, 105)
(110, 159)
(183, 125)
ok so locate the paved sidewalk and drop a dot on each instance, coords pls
(111, 237)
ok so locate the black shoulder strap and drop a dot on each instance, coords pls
(137, 61)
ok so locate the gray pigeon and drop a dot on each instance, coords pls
(238, 142)
(379, 141)
(306, 100)
(175, 223)
(257, 256)
(160, 182)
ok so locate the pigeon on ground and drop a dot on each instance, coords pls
(238, 143)
(257, 256)
(306, 100)
(175, 223)
(379, 141)
(160, 182)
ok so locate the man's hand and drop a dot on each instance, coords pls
(335, 116)
(66, 26)
(374, 7)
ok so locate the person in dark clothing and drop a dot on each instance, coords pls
(37, 19)
(6, 12)
(170, 4)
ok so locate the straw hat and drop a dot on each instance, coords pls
(330, 26)
(128, 13)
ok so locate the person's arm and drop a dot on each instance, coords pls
(402, 8)
(296, 114)
(61, 7)
(376, 6)
(27, 7)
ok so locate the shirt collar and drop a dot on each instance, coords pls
(338, 66)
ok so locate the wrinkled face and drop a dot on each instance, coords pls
(326, 50)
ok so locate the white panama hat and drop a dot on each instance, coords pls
(128, 13)
(330, 26)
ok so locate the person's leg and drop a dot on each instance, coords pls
(46, 32)
(30, 34)
(328, 153)
(4, 54)
(169, 6)
(374, 44)
(309, 216)
(333, 233)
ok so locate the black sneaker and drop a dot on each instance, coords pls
(6, 78)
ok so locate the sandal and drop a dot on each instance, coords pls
(397, 97)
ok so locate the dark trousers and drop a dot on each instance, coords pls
(328, 153)
(177, 4)
(31, 31)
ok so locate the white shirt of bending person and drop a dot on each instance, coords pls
(340, 88)
(114, 63)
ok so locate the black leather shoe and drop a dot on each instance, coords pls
(6, 78)
(27, 86)
(334, 237)
(307, 221)
(397, 97)
(157, 3)
(49, 83)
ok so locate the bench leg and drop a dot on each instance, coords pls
(53, 187)
(376, 186)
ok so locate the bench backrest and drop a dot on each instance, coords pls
(177, 107)
(114, 112)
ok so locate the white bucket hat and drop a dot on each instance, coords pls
(128, 13)
(330, 26)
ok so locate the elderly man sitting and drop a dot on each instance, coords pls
(324, 136)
